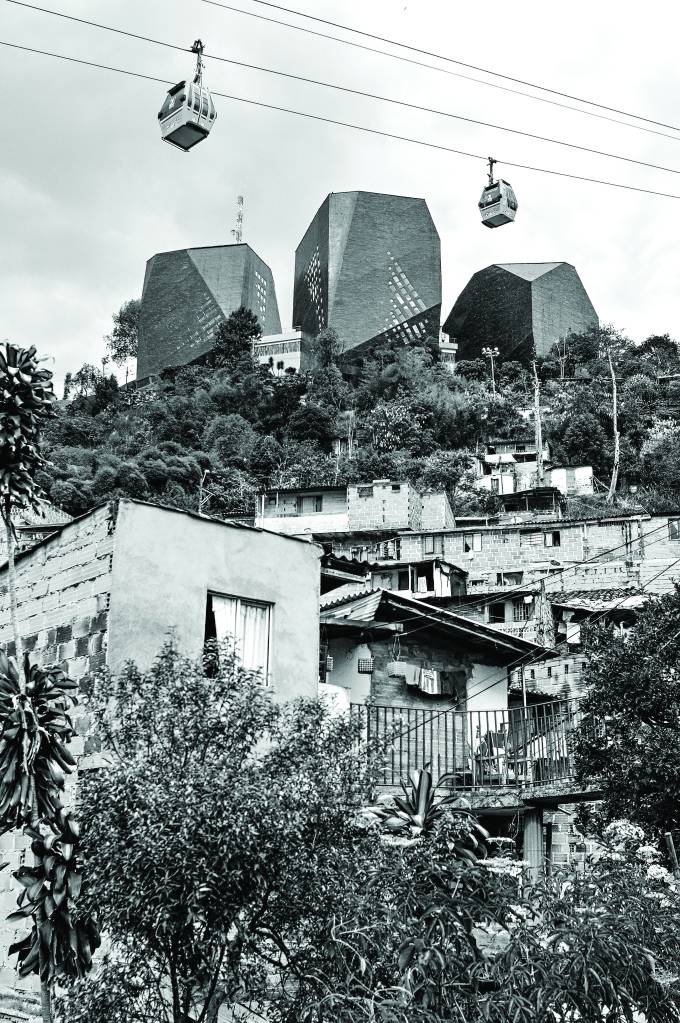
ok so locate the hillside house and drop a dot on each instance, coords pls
(114, 584)
(509, 466)
(370, 635)
(379, 508)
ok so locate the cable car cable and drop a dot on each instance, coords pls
(349, 124)
(354, 92)
(451, 60)
(441, 70)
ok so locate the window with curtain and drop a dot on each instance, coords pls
(248, 623)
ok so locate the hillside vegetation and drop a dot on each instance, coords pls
(213, 435)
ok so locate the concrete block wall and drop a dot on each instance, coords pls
(63, 591)
(502, 549)
(565, 838)
(436, 512)
(385, 505)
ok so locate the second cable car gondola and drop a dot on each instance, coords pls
(498, 204)
(188, 113)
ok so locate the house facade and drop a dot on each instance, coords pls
(115, 584)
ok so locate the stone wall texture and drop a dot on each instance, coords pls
(189, 292)
(63, 594)
(520, 308)
(369, 265)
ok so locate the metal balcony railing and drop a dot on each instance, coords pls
(516, 747)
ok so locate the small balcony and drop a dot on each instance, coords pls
(526, 750)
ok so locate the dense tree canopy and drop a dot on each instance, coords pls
(631, 739)
(405, 413)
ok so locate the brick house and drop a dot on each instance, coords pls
(359, 509)
(116, 583)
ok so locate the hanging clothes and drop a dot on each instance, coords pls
(430, 682)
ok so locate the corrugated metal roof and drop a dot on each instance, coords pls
(356, 605)
(599, 600)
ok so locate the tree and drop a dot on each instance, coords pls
(84, 381)
(211, 836)
(123, 341)
(326, 347)
(660, 354)
(630, 740)
(312, 423)
(234, 338)
(429, 937)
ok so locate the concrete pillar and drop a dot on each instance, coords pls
(533, 843)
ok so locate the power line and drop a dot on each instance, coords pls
(441, 70)
(461, 63)
(348, 124)
(522, 588)
(533, 659)
(350, 91)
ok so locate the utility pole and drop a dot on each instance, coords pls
(538, 429)
(492, 353)
(237, 232)
(615, 422)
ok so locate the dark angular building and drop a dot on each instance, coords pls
(520, 308)
(369, 266)
(189, 292)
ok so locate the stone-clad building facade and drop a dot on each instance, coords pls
(369, 266)
(520, 308)
(189, 292)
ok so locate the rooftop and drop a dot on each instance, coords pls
(530, 271)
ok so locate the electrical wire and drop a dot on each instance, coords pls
(441, 70)
(595, 559)
(348, 124)
(461, 63)
(353, 92)
(504, 593)
(533, 658)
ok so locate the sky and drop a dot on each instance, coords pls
(88, 192)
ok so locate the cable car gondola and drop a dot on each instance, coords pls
(188, 113)
(498, 204)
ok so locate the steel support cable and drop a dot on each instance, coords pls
(320, 83)
(461, 63)
(441, 70)
(347, 124)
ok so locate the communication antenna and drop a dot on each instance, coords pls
(237, 233)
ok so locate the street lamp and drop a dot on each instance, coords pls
(492, 353)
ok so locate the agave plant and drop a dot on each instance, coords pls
(416, 813)
(26, 400)
(35, 727)
(61, 941)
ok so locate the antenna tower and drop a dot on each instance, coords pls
(237, 233)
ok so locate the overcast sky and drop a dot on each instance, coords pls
(88, 192)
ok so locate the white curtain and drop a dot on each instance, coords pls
(254, 637)
(224, 610)
(248, 626)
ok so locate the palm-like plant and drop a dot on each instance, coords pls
(416, 813)
(34, 728)
(61, 942)
(34, 701)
